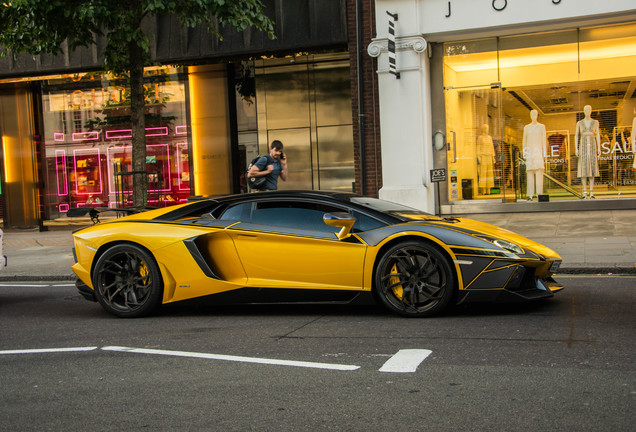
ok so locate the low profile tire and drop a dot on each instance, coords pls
(414, 279)
(127, 281)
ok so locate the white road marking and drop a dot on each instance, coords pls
(47, 350)
(314, 365)
(23, 285)
(406, 360)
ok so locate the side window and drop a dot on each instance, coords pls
(300, 215)
(293, 214)
(238, 213)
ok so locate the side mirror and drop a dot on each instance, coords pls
(341, 220)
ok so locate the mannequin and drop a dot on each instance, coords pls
(534, 147)
(485, 161)
(587, 142)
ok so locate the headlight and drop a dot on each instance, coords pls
(505, 244)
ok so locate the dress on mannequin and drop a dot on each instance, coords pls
(534, 145)
(588, 162)
(588, 148)
(485, 161)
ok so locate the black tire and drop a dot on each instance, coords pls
(127, 281)
(414, 279)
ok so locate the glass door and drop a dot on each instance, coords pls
(481, 154)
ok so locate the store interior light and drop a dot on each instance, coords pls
(8, 168)
(193, 81)
(555, 54)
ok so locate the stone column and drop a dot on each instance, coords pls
(405, 118)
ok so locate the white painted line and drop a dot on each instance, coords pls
(314, 365)
(406, 360)
(23, 285)
(63, 285)
(47, 350)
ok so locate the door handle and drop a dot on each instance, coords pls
(247, 236)
(454, 146)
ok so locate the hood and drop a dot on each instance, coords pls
(495, 231)
(487, 230)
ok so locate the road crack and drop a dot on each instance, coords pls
(288, 335)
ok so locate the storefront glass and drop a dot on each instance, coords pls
(305, 102)
(493, 85)
(87, 140)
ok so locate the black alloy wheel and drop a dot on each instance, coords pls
(414, 279)
(127, 281)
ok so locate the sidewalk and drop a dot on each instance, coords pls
(588, 241)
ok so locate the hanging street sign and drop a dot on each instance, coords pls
(391, 48)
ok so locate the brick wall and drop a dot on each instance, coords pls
(371, 167)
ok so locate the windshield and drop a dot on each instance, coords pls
(399, 211)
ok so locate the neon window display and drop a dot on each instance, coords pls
(88, 140)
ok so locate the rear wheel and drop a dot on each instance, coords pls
(414, 279)
(127, 281)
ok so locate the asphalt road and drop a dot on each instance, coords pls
(562, 365)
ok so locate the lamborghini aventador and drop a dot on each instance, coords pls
(300, 245)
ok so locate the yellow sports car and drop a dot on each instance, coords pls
(289, 244)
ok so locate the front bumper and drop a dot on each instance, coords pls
(522, 285)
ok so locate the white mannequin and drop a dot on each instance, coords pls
(534, 147)
(485, 161)
(587, 142)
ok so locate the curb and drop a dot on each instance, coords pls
(616, 270)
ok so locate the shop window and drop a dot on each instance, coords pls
(88, 140)
(538, 58)
(305, 102)
(555, 74)
(470, 63)
(607, 52)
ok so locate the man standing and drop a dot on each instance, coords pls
(271, 166)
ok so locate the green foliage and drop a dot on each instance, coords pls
(42, 26)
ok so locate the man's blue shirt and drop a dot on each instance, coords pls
(271, 179)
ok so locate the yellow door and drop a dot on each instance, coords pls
(285, 243)
(280, 257)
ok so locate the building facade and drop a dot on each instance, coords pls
(66, 131)
(459, 82)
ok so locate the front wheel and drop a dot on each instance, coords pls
(127, 281)
(414, 279)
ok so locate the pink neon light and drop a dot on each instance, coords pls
(58, 136)
(60, 159)
(181, 130)
(63, 208)
(87, 152)
(157, 131)
(121, 133)
(179, 166)
(85, 136)
(111, 154)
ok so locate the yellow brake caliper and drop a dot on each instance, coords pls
(398, 290)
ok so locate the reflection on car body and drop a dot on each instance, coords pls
(324, 244)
